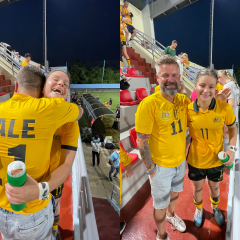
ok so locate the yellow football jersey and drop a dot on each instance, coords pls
(206, 129)
(157, 88)
(124, 160)
(125, 10)
(219, 87)
(24, 63)
(167, 124)
(66, 137)
(122, 37)
(27, 126)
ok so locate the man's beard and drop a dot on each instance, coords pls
(170, 92)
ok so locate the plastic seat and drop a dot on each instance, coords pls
(133, 156)
(126, 98)
(132, 72)
(151, 88)
(141, 93)
(133, 135)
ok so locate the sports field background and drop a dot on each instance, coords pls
(107, 120)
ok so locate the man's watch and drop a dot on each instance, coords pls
(233, 148)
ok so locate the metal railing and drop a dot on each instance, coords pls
(115, 198)
(86, 216)
(156, 49)
(11, 62)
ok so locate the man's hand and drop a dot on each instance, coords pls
(231, 157)
(128, 170)
(224, 94)
(38, 65)
(153, 174)
(26, 193)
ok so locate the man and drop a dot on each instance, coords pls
(115, 163)
(63, 151)
(161, 123)
(27, 60)
(171, 50)
(26, 134)
(125, 160)
(110, 102)
(180, 62)
(125, 13)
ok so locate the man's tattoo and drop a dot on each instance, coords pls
(143, 146)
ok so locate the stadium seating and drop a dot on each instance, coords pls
(141, 93)
(131, 72)
(133, 156)
(126, 98)
(140, 64)
(133, 136)
(151, 88)
(5, 86)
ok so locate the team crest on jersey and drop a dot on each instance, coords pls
(56, 137)
(217, 120)
(164, 115)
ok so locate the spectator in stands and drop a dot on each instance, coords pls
(206, 118)
(27, 60)
(117, 113)
(171, 50)
(123, 48)
(125, 13)
(193, 95)
(115, 163)
(125, 161)
(45, 120)
(156, 120)
(95, 151)
(124, 82)
(180, 54)
(227, 80)
(181, 62)
(66, 135)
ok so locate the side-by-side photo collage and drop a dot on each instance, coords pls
(71, 168)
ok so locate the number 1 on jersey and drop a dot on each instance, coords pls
(174, 128)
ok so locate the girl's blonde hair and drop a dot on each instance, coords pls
(226, 73)
(184, 55)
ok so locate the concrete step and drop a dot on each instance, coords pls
(127, 117)
(139, 83)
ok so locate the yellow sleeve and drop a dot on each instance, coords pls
(187, 101)
(64, 112)
(144, 117)
(230, 118)
(187, 62)
(70, 136)
(121, 8)
(157, 88)
(124, 158)
(24, 63)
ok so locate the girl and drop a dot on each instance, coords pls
(206, 118)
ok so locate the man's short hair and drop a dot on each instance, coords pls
(28, 55)
(166, 59)
(174, 41)
(30, 78)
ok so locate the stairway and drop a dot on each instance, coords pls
(140, 64)
(6, 86)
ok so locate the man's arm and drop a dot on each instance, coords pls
(80, 113)
(30, 190)
(143, 146)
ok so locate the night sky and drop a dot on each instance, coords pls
(76, 29)
(190, 27)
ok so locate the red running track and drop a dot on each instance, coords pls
(142, 226)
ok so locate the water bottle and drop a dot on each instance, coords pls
(17, 176)
(224, 158)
